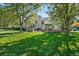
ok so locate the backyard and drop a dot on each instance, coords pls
(38, 44)
(39, 29)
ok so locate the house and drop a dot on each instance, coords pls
(39, 24)
(75, 26)
(45, 24)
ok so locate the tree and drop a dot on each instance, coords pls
(8, 16)
(12, 14)
(24, 10)
(31, 21)
(66, 13)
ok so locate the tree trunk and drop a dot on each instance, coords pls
(30, 28)
(67, 30)
(21, 23)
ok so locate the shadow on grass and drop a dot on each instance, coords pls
(48, 44)
(2, 35)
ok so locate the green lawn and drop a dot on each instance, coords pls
(38, 43)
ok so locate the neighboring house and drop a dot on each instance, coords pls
(75, 26)
(47, 25)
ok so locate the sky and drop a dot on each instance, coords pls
(43, 13)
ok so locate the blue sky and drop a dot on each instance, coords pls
(43, 13)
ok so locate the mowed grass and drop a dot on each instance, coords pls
(38, 44)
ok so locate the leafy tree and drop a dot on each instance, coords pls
(24, 11)
(31, 21)
(17, 13)
(8, 15)
(65, 13)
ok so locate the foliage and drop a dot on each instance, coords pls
(14, 15)
(65, 12)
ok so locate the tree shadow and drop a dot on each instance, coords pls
(2, 35)
(48, 44)
(74, 44)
